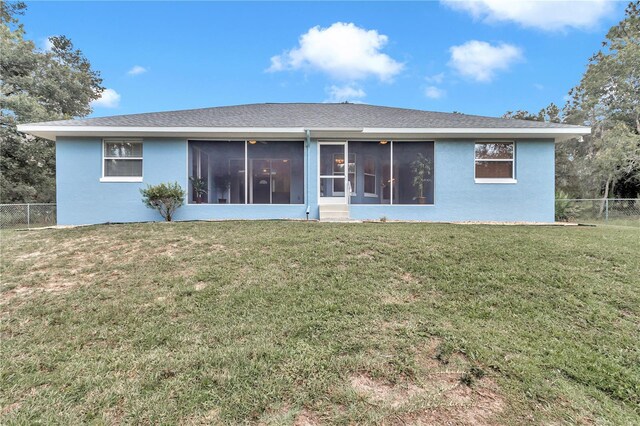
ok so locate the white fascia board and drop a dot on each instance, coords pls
(133, 129)
(557, 134)
(51, 132)
(561, 133)
(578, 130)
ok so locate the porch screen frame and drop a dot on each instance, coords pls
(246, 165)
(392, 177)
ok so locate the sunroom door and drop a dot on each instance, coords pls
(333, 173)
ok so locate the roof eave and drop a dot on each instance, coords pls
(53, 132)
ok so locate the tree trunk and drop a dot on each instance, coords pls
(604, 198)
(613, 188)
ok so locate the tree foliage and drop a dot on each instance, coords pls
(36, 85)
(166, 198)
(607, 98)
(610, 88)
(551, 113)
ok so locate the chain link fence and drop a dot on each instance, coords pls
(27, 215)
(614, 211)
(619, 211)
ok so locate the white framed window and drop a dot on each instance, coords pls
(494, 162)
(121, 160)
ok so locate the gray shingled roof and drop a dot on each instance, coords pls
(306, 115)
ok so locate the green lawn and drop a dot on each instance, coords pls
(316, 323)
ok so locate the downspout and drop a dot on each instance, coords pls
(307, 146)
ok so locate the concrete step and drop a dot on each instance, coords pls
(334, 212)
(335, 207)
(333, 215)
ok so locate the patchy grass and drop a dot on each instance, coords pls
(315, 323)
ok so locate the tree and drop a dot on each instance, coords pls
(551, 114)
(567, 181)
(618, 155)
(166, 198)
(36, 85)
(608, 99)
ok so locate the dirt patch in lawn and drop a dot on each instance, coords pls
(450, 391)
(305, 418)
(200, 285)
(55, 284)
(60, 266)
(399, 299)
(367, 254)
(286, 414)
(409, 278)
(211, 417)
(9, 408)
(393, 395)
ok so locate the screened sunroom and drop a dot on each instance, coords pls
(377, 172)
(246, 172)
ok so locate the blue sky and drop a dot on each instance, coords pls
(483, 57)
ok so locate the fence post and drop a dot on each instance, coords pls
(606, 210)
(28, 216)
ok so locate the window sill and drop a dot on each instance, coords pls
(244, 204)
(495, 180)
(121, 179)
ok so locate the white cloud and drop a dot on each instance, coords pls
(46, 44)
(538, 86)
(480, 60)
(108, 99)
(345, 93)
(548, 15)
(436, 78)
(136, 70)
(434, 92)
(343, 51)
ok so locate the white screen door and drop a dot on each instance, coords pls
(332, 173)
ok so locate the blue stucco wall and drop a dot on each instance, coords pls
(459, 198)
(83, 199)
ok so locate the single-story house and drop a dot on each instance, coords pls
(305, 160)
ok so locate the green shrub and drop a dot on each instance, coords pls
(565, 210)
(165, 197)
